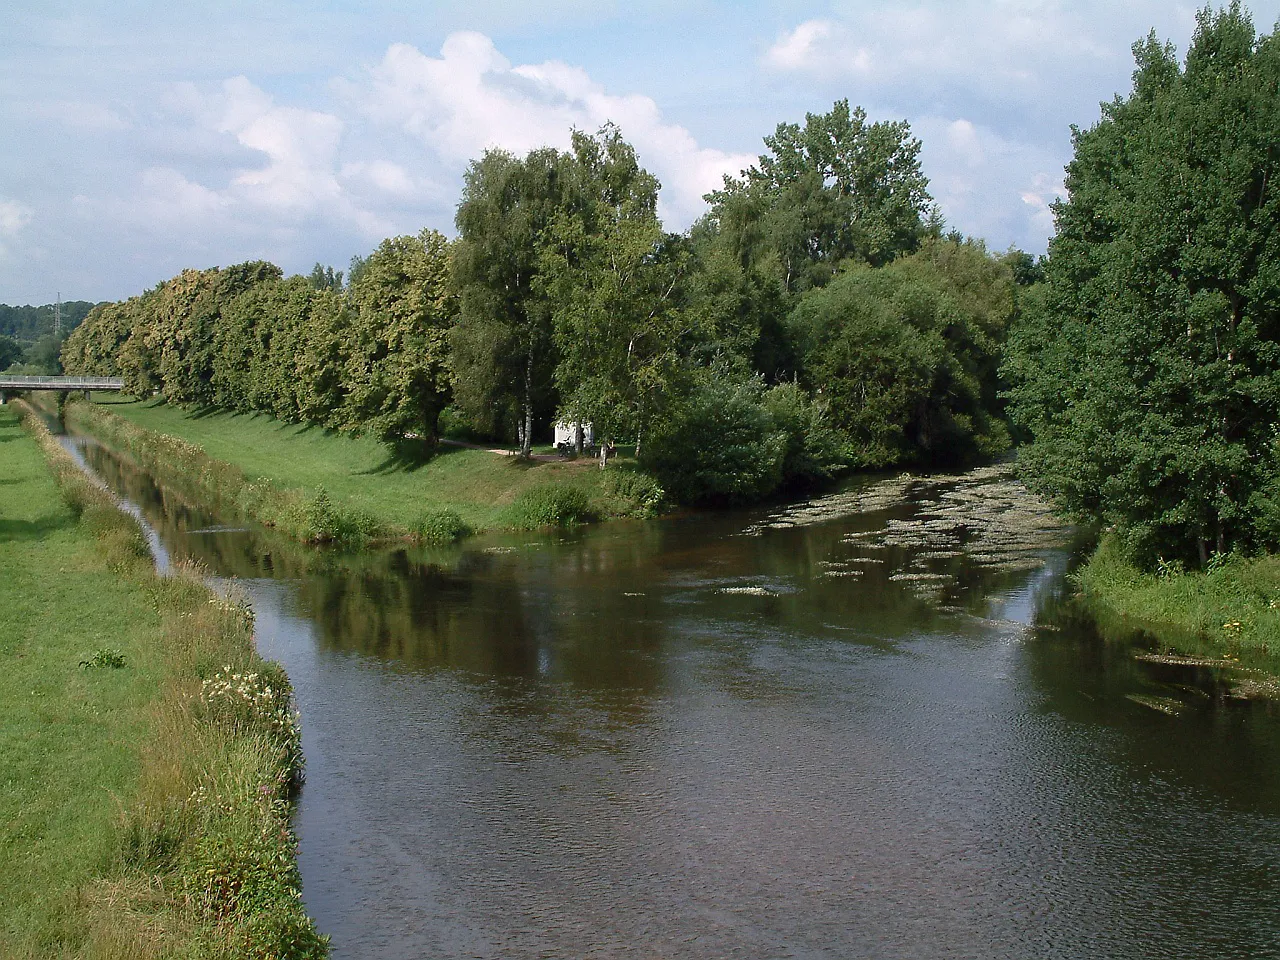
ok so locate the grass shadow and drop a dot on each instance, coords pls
(408, 456)
(11, 530)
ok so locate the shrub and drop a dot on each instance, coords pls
(441, 526)
(549, 505)
(722, 446)
(630, 493)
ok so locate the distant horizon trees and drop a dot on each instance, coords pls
(27, 340)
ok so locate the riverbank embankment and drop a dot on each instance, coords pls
(149, 757)
(317, 485)
(1229, 612)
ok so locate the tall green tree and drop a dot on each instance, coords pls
(1147, 371)
(905, 356)
(397, 376)
(836, 189)
(503, 348)
(611, 276)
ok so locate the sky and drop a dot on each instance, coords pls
(141, 138)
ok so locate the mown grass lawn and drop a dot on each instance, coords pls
(359, 472)
(69, 737)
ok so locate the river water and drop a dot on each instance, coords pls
(872, 726)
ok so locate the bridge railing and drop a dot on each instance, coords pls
(60, 383)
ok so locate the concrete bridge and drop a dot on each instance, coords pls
(14, 384)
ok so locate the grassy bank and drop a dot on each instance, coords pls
(315, 484)
(148, 756)
(1232, 611)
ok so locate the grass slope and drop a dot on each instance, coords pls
(69, 737)
(1231, 611)
(361, 474)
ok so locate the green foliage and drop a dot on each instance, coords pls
(630, 493)
(1231, 609)
(549, 505)
(905, 356)
(503, 353)
(440, 527)
(10, 352)
(324, 278)
(722, 445)
(396, 377)
(833, 190)
(104, 658)
(319, 520)
(610, 275)
(814, 449)
(1148, 369)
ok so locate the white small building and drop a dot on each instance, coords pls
(566, 432)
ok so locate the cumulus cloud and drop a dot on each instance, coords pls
(471, 98)
(989, 185)
(14, 216)
(1004, 47)
(822, 46)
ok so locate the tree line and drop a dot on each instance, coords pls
(28, 342)
(817, 318)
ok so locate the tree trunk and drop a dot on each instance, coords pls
(577, 438)
(526, 440)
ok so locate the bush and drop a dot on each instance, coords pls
(630, 493)
(815, 450)
(319, 520)
(723, 446)
(441, 526)
(549, 505)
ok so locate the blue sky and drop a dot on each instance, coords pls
(142, 137)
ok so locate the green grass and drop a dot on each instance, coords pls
(148, 756)
(69, 736)
(1231, 611)
(363, 476)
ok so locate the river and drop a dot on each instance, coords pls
(871, 726)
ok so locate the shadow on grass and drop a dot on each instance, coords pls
(11, 530)
(407, 456)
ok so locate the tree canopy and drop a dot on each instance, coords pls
(1147, 371)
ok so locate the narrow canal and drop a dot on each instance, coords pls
(872, 726)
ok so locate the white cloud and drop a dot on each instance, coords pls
(822, 46)
(1043, 191)
(471, 98)
(301, 147)
(14, 217)
(965, 143)
(1001, 46)
(989, 185)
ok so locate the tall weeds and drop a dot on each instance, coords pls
(204, 863)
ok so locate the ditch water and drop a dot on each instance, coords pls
(870, 726)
